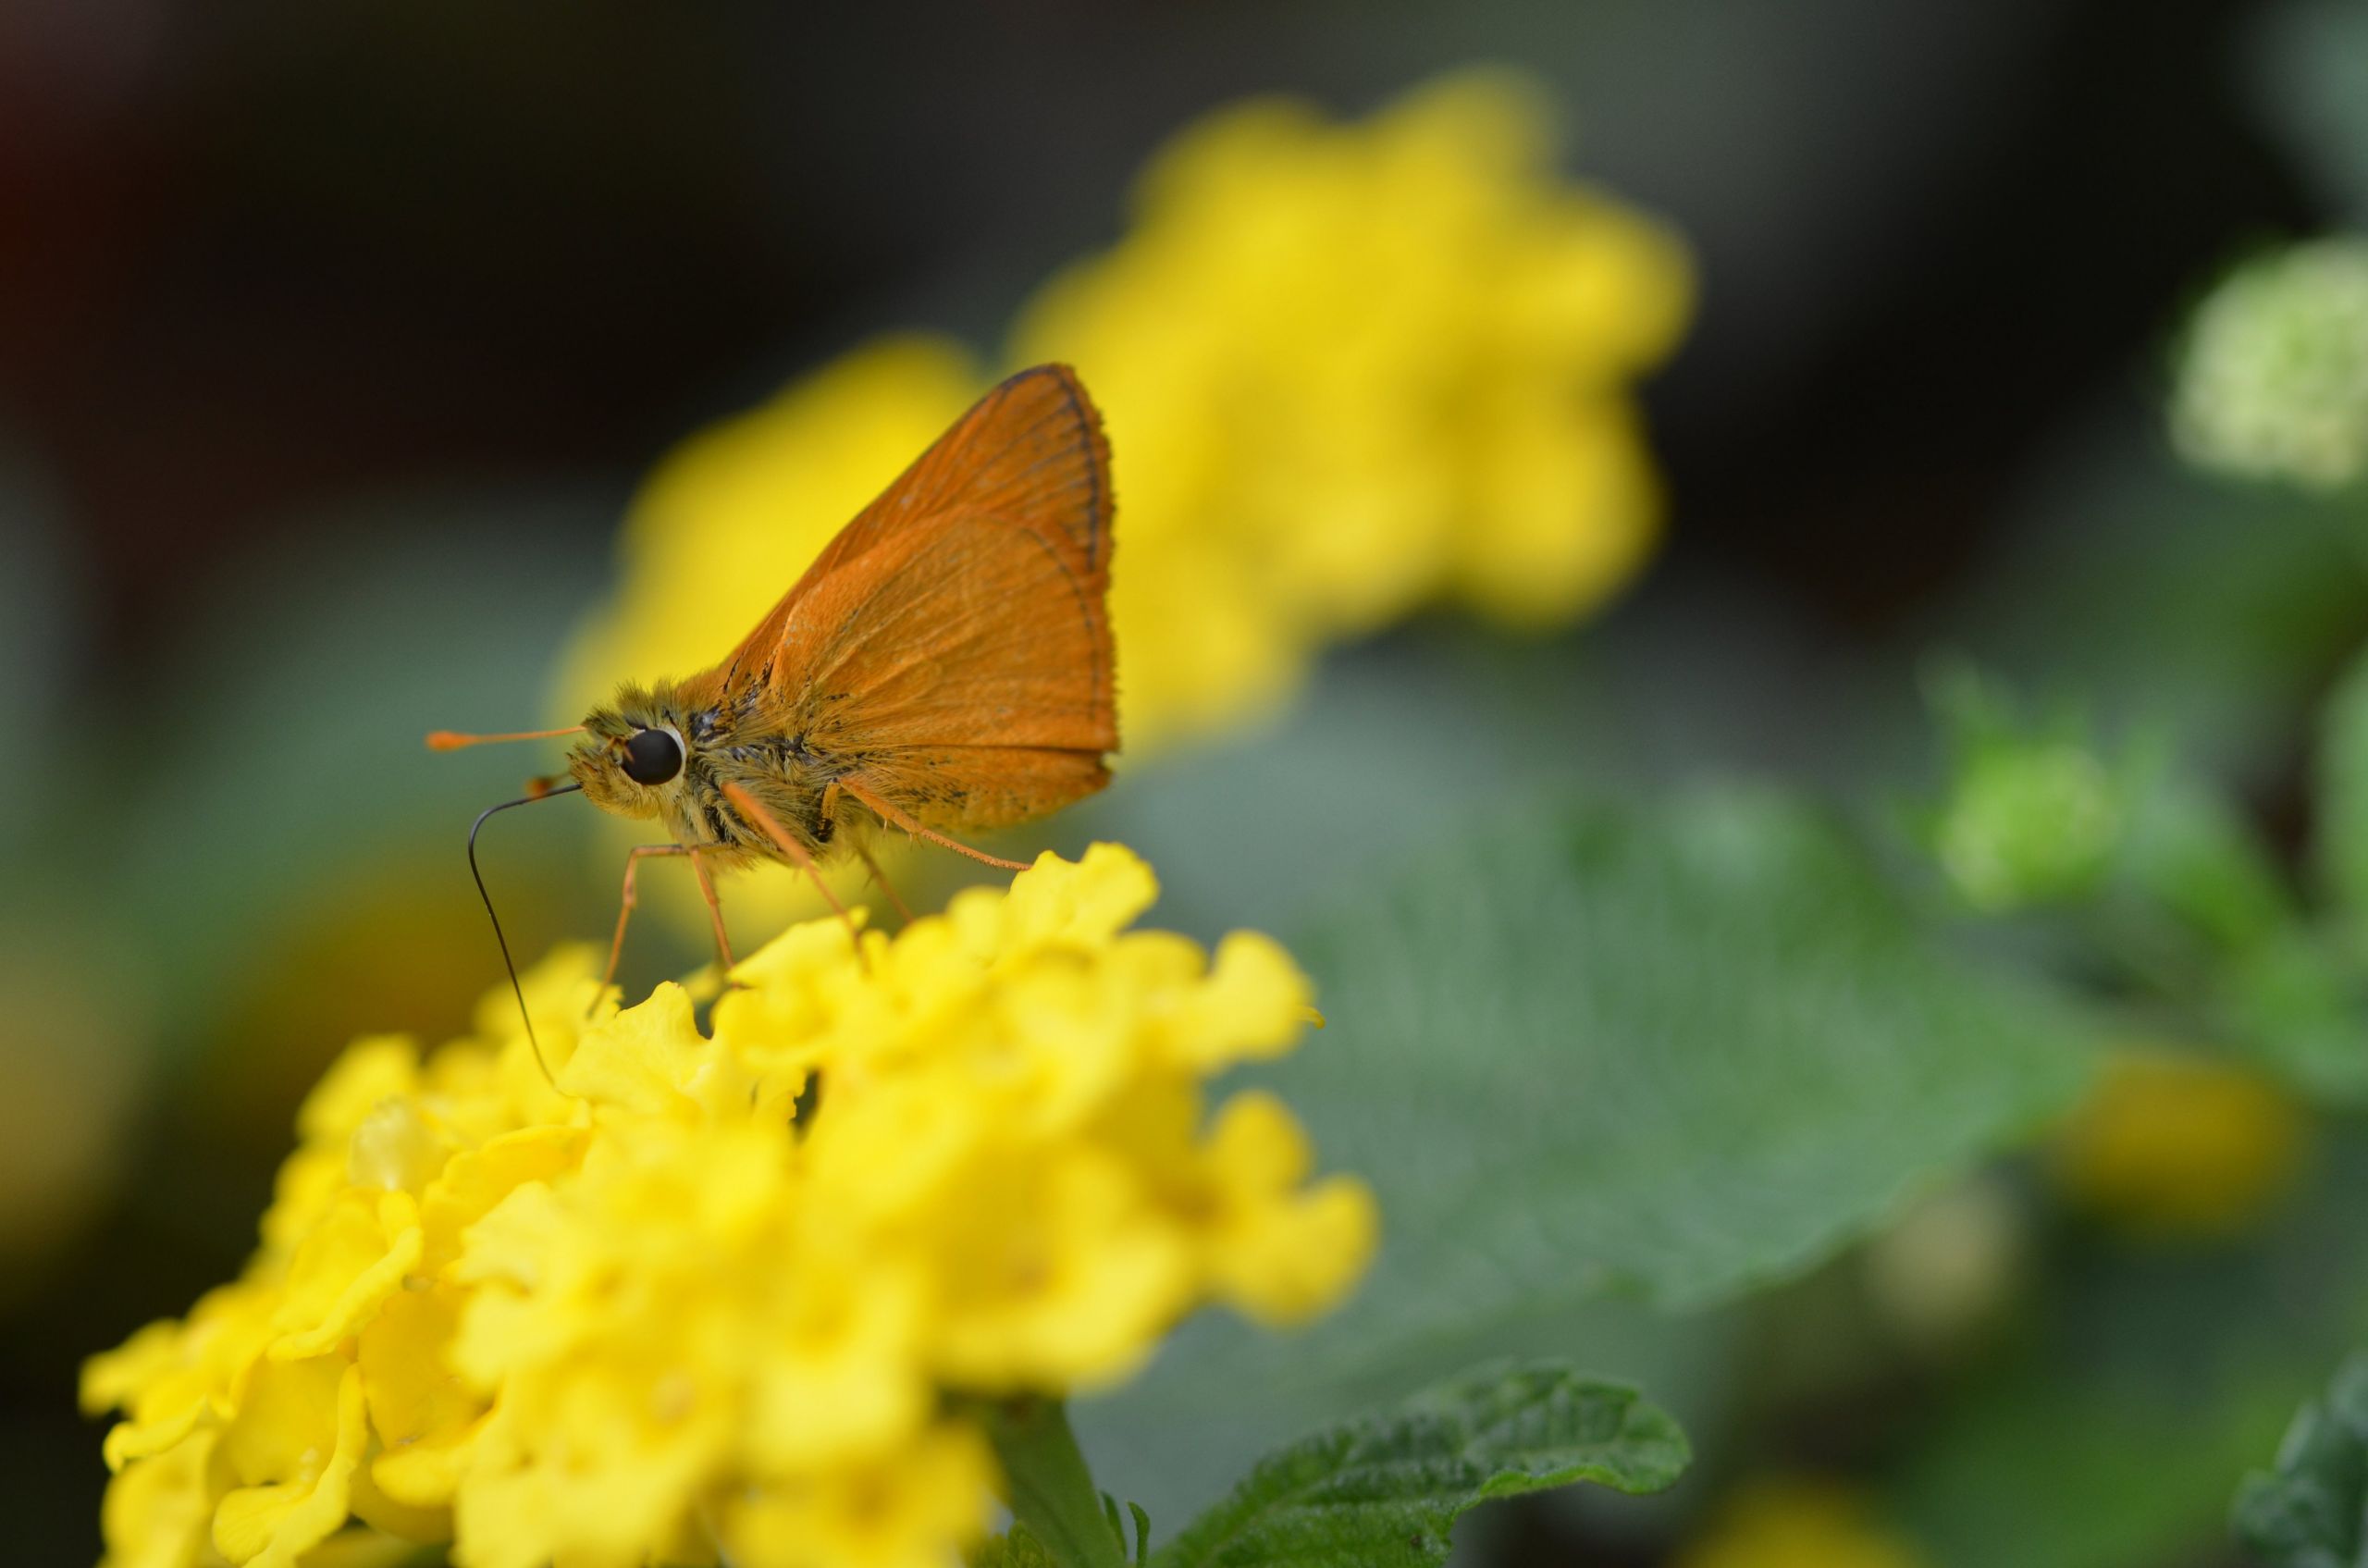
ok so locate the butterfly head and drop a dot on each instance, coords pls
(632, 755)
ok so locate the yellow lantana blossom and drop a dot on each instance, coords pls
(706, 1293)
(1352, 369)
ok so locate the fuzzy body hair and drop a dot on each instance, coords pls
(735, 741)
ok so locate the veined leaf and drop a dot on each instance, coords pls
(1674, 1051)
(1387, 1491)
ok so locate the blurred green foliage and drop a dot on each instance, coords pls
(2031, 818)
(2311, 1511)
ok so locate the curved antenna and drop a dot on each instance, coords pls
(502, 942)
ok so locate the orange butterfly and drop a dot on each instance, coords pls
(944, 666)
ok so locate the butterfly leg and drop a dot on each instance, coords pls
(829, 813)
(888, 811)
(771, 826)
(632, 896)
(881, 878)
(714, 914)
(625, 901)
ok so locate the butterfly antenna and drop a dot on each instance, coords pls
(452, 740)
(500, 941)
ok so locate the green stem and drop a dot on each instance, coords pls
(1051, 1491)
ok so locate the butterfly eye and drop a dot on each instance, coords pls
(652, 757)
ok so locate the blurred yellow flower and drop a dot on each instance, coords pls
(1350, 370)
(2176, 1145)
(653, 1311)
(1799, 1522)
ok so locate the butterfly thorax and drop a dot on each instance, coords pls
(725, 737)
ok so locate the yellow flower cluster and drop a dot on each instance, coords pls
(1347, 371)
(1350, 370)
(704, 1294)
(2172, 1145)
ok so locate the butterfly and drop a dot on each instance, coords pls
(943, 667)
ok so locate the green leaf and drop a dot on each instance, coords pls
(1015, 1548)
(1046, 1483)
(1389, 1489)
(2308, 1512)
(1679, 1050)
(1674, 1051)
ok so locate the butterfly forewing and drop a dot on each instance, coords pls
(964, 631)
(953, 643)
(1032, 450)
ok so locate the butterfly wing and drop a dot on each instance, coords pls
(962, 667)
(1032, 450)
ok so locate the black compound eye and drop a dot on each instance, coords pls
(652, 757)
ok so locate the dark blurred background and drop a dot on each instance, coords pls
(329, 334)
(265, 257)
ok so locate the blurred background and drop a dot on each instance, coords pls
(336, 343)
